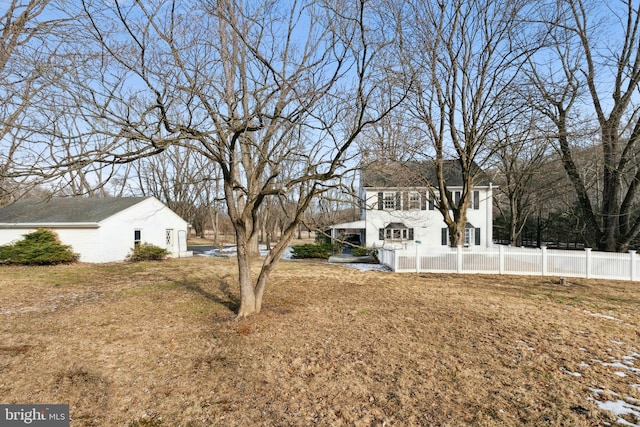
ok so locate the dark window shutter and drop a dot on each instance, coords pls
(477, 233)
(405, 201)
(457, 198)
(398, 200)
(411, 234)
(381, 234)
(444, 236)
(476, 200)
(380, 201)
(432, 202)
(423, 200)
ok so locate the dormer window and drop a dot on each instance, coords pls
(396, 232)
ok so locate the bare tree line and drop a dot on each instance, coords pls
(264, 108)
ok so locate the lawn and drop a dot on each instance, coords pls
(156, 344)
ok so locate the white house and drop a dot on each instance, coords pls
(399, 211)
(99, 229)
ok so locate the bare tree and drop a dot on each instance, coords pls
(25, 53)
(585, 75)
(522, 173)
(183, 180)
(38, 51)
(253, 87)
(465, 56)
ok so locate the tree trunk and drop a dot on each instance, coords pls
(610, 188)
(267, 241)
(214, 225)
(252, 245)
(456, 235)
(513, 223)
(539, 231)
(249, 304)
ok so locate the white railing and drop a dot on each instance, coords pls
(517, 261)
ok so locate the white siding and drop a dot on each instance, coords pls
(427, 224)
(152, 218)
(113, 238)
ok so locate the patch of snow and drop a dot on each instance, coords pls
(568, 372)
(619, 408)
(603, 316)
(524, 343)
(616, 364)
(226, 251)
(366, 267)
(627, 365)
(229, 251)
(599, 391)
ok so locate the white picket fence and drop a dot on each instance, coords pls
(517, 261)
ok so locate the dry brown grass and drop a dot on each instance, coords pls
(155, 344)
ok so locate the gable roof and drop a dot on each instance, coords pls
(65, 209)
(417, 174)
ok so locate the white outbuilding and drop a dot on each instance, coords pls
(99, 229)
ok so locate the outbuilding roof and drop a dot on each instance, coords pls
(65, 209)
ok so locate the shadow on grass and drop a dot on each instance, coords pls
(226, 298)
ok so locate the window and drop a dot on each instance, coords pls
(456, 197)
(471, 236)
(475, 200)
(414, 200)
(389, 201)
(402, 200)
(137, 237)
(169, 237)
(468, 236)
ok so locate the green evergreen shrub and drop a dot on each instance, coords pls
(41, 247)
(322, 238)
(321, 250)
(147, 252)
(360, 251)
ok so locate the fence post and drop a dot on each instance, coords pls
(633, 265)
(544, 260)
(500, 259)
(395, 259)
(459, 259)
(588, 260)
